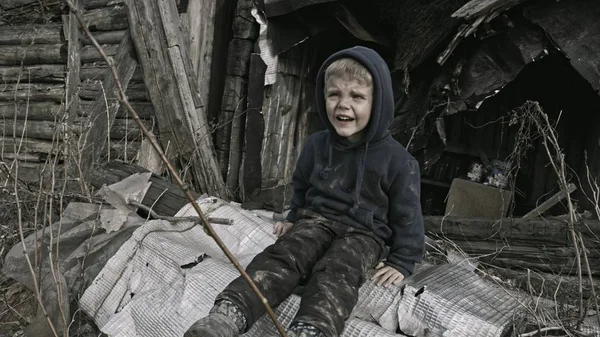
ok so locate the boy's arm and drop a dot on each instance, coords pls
(300, 182)
(405, 218)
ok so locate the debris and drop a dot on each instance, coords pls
(451, 300)
(553, 200)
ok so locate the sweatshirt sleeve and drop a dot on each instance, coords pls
(300, 182)
(407, 243)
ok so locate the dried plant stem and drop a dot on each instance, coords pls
(36, 288)
(185, 187)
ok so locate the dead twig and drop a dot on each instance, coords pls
(218, 221)
(185, 187)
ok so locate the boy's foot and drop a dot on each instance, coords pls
(224, 320)
(300, 329)
(213, 325)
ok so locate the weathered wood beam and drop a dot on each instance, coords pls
(49, 33)
(199, 23)
(477, 8)
(12, 55)
(155, 29)
(106, 18)
(28, 145)
(90, 90)
(94, 71)
(540, 244)
(104, 110)
(47, 130)
(90, 54)
(546, 205)
(93, 4)
(229, 138)
(45, 73)
(32, 92)
(255, 129)
(121, 129)
(105, 37)
(72, 34)
(144, 109)
(41, 111)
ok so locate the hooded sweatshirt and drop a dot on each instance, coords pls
(373, 184)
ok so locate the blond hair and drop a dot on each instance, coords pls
(350, 69)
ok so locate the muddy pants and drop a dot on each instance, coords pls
(332, 257)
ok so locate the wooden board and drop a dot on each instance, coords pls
(155, 30)
(106, 18)
(103, 112)
(12, 55)
(49, 33)
(41, 111)
(33, 92)
(105, 37)
(45, 73)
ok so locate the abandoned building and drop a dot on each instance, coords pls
(227, 89)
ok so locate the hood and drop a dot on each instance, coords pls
(382, 110)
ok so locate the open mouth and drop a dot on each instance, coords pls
(344, 119)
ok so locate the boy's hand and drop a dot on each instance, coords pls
(387, 275)
(281, 228)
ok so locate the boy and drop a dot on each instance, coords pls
(355, 190)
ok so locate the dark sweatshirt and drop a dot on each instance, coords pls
(373, 184)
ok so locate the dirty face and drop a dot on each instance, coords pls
(348, 104)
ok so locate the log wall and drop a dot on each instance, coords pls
(51, 78)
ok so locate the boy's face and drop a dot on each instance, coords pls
(348, 104)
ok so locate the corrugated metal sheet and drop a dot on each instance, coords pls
(451, 300)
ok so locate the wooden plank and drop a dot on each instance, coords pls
(28, 145)
(164, 197)
(92, 4)
(105, 37)
(92, 89)
(71, 27)
(182, 123)
(11, 55)
(149, 159)
(144, 109)
(553, 200)
(32, 92)
(8, 4)
(476, 8)
(123, 149)
(244, 25)
(238, 60)
(103, 111)
(90, 54)
(49, 33)
(548, 232)
(45, 73)
(106, 18)
(200, 19)
(121, 129)
(255, 128)
(233, 99)
(41, 111)
(94, 71)
(46, 130)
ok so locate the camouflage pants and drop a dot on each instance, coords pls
(331, 257)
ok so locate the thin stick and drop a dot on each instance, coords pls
(218, 221)
(185, 187)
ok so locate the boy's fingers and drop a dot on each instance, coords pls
(398, 279)
(378, 274)
(384, 279)
(379, 265)
(393, 278)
